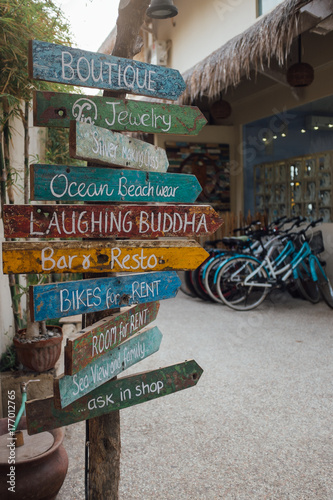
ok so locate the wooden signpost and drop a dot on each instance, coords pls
(95, 341)
(100, 257)
(105, 221)
(57, 110)
(42, 415)
(58, 300)
(99, 145)
(99, 352)
(61, 64)
(68, 389)
(68, 184)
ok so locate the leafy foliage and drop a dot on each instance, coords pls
(21, 21)
(57, 150)
(8, 359)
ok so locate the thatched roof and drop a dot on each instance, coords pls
(270, 37)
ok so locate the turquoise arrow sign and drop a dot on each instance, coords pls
(60, 64)
(42, 415)
(66, 184)
(70, 388)
(59, 300)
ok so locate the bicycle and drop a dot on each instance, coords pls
(243, 282)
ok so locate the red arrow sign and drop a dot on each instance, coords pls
(104, 221)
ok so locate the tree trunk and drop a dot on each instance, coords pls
(6, 135)
(104, 431)
(26, 152)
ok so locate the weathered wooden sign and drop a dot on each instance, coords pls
(42, 415)
(57, 110)
(105, 221)
(68, 389)
(100, 257)
(61, 64)
(95, 341)
(62, 183)
(100, 145)
(58, 300)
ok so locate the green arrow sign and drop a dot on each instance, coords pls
(57, 110)
(42, 414)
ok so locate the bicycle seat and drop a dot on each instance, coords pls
(240, 241)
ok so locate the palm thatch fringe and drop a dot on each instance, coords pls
(270, 37)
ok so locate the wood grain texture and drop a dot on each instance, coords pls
(94, 341)
(101, 257)
(100, 145)
(42, 414)
(63, 183)
(106, 221)
(58, 300)
(67, 65)
(55, 109)
(68, 389)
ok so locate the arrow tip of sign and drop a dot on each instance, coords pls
(197, 371)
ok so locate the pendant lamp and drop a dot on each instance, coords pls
(300, 74)
(161, 9)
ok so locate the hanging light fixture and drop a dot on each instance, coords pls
(161, 9)
(300, 74)
(220, 110)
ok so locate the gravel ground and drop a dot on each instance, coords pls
(257, 426)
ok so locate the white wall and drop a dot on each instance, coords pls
(203, 26)
(36, 147)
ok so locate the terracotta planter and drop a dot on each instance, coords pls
(39, 356)
(36, 478)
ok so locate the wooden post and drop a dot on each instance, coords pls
(104, 431)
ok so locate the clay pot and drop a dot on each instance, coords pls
(39, 356)
(36, 478)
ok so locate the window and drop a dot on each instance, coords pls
(265, 6)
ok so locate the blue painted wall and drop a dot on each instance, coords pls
(294, 144)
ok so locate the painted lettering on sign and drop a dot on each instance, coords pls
(42, 415)
(56, 182)
(57, 300)
(95, 341)
(91, 143)
(57, 63)
(70, 388)
(99, 256)
(103, 221)
(57, 110)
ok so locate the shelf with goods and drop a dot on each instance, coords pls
(297, 186)
(271, 189)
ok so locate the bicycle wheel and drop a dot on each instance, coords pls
(231, 288)
(187, 285)
(308, 288)
(323, 282)
(198, 284)
(209, 282)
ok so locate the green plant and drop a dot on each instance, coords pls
(8, 359)
(21, 21)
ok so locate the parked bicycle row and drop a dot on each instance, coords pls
(284, 255)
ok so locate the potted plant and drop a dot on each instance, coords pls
(38, 346)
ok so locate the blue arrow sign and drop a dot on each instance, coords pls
(61, 64)
(59, 300)
(70, 388)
